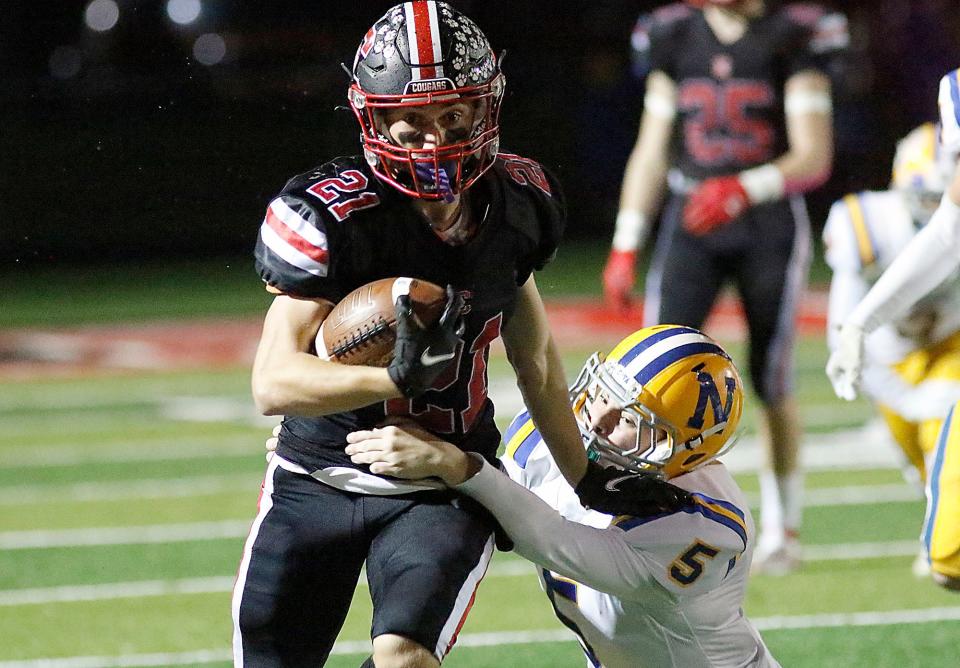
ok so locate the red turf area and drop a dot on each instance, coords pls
(28, 353)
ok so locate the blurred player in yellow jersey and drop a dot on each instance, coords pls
(926, 263)
(912, 365)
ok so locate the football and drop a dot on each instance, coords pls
(361, 328)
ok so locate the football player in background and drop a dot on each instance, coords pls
(663, 589)
(738, 91)
(911, 365)
(432, 197)
(931, 258)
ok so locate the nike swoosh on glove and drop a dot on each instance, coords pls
(421, 355)
(713, 203)
(617, 492)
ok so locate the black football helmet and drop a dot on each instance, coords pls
(421, 53)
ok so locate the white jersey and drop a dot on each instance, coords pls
(862, 236)
(660, 591)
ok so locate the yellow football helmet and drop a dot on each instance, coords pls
(920, 171)
(678, 387)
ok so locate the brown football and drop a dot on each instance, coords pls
(361, 328)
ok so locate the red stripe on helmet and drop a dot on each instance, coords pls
(424, 35)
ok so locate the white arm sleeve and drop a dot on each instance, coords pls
(923, 264)
(599, 558)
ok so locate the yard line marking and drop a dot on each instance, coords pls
(148, 450)
(143, 488)
(115, 590)
(776, 623)
(158, 488)
(135, 535)
(870, 618)
(820, 451)
(852, 495)
(844, 551)
(511, 568)
(199, 531)
(209, 585)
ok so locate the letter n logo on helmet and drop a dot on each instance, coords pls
(709, 392)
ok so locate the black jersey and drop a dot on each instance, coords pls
(730, 96)
(338, 227)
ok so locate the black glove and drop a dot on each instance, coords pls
(617, 492)
(421, 355)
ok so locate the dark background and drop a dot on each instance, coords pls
(121, 146)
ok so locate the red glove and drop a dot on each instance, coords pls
(713, 203)
(618, 279)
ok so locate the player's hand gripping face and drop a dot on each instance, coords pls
(613, 490)
(430, 127)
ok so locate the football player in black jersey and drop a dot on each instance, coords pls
(738, 92)
(432, 197)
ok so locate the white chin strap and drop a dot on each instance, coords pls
(704, 435)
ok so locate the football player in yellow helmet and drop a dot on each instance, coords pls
(931, 259)
(656, 589)
(912, 363)
(664, 404)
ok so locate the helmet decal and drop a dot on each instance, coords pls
(423, 36)
(418, 54)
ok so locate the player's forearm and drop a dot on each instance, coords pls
(847, 288)
(645, 174)
(302, 384)
(591, 556)
(808, 161)
(930, 257)
(542, 382)
(545, 396)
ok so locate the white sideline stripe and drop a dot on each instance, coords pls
(221, 584)
(160, 450)
(159, 488)
(144, 488)
(837, 619)
(843, 551)
(777, 623)
(852, 495)
(210, 585)
(100, 592)
(174, 533)
(135, 535)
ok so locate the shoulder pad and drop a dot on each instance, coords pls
(949, 101)
(520, 439)
(858, 239)
(660, 21)
(669, 14)
(728, 520)
(545, 217)
(292, 247)
(828, 31)
(338, 188)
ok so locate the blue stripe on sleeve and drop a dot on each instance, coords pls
(954, 79)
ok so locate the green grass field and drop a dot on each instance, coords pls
(122, 518)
